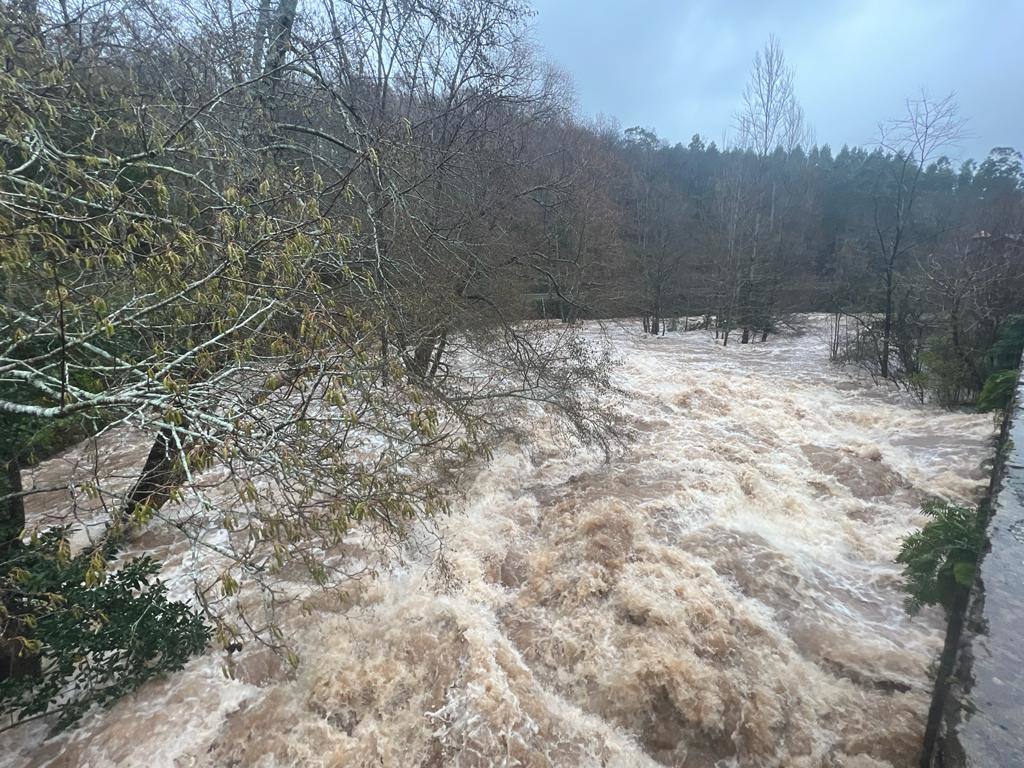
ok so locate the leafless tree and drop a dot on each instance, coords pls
(752, 203)
(771, 116)
(927, 128)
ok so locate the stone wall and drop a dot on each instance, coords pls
(977, 717)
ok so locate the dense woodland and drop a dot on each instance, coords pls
(306, 242)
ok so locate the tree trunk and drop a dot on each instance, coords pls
(13, 662)
(259, 44)
(160, 476)
(422, 356)
(12, 523)
(279, 39)
(887, 323)
(438, 354)
(834, 352)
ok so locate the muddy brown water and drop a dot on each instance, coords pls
(721, 593)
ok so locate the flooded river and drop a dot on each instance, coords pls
(720, 593)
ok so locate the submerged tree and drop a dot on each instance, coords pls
(915, 140)
(755, 200)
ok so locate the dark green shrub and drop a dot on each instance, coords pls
(1006, 351)
(98, 633)
(940, 559)
(997, 392)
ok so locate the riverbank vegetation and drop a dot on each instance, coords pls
(939, 561)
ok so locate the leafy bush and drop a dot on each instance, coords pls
(940, 560)
(1007, 349)
(947, 375)
(997, 392)
(98, 634)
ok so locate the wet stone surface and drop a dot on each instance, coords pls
(985, 714)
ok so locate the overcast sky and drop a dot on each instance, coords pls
(679, 66)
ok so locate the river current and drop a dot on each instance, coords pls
(720, 593)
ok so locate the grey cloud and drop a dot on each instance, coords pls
(680, 67)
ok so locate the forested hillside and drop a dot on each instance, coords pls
(919, 260)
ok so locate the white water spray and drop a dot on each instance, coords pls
(722, 593)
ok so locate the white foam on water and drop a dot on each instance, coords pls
(721, 593)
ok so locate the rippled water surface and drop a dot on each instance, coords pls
(721, 593)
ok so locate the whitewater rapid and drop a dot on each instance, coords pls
(721, 592)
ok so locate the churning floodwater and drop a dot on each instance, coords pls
(720, 593)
